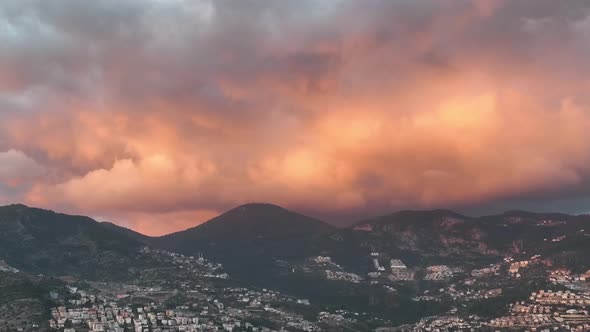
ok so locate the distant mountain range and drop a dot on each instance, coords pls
(254, 237)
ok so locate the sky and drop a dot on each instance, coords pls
(160, 114)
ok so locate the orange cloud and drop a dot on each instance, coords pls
(157, 224)
(16, 167)
(355, 108)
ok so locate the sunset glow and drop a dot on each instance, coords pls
(158, 117)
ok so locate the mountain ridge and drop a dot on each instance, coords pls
(412, 213)
(255, 210)
(254, 238)
(43, 241)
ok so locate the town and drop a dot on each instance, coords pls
(201, 304)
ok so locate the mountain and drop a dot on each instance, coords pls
(413, 219)
(254, 231)
(271, 247)
(441, 232)
(256, 220)
(42, 241)
(447, 234)
(254, 238)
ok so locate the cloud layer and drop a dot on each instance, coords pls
(160, 113)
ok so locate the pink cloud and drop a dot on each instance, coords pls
(340, 109)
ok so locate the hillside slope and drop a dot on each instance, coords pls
(42, 241)
(253, 230)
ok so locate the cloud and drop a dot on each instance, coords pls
(17, 173)
(16, 165)
(157, 224)
(338, 108)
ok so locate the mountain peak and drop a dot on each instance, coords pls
(14, 212)
(253, 221)
(263, 215)
(15, 206)
(18, 205)
(257, 207)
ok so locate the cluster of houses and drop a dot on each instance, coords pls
(515, 267)
(441, 323)
(564, 276)
(562, 310)
(197, 266)
(111, 317)
(566, 298)
(400, 272)
(233, 309)
(438, 272)
(486, 271)
(524, 322)
(343, 276)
